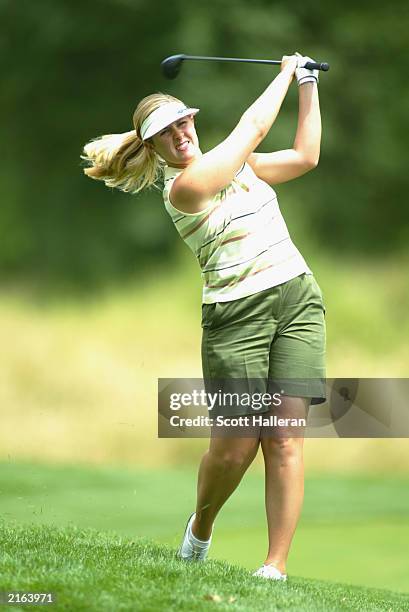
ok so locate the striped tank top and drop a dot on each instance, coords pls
(241, 240)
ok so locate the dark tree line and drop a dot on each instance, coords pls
(73, 70)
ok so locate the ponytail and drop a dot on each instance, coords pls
(123, 160)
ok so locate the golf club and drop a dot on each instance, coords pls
(171, 65)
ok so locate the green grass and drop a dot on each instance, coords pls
(90, 570)
(353, 529)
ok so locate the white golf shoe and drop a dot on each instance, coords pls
(193, 549)
(271, 573)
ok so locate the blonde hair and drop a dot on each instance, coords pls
(123, 160)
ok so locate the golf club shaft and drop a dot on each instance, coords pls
(309, 65)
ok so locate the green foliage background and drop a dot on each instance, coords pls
(73, 70)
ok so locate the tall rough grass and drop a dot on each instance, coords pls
(79, 376)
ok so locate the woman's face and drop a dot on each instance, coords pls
(178, 143)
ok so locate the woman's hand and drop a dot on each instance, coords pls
(289, 64)
(304, 75)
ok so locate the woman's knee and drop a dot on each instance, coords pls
(287, 450)
(234, 458)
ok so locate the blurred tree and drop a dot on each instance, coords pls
(74, 70)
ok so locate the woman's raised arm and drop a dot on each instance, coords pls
(282, 166)
(211, 172)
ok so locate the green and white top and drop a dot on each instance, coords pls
(240, 240)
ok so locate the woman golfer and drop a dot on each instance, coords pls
(263, 312)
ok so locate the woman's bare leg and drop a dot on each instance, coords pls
(220, 472)
(284, 484)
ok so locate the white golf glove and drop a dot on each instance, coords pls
(302, 74)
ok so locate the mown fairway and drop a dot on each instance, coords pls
(353, 529)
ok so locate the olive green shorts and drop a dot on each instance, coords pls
(275, 339)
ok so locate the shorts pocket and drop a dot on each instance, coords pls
(208, 314)
(317, 288)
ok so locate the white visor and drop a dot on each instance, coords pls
(164, 116)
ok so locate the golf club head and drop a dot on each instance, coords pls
(171, 66)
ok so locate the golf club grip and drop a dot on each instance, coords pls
(317, 66)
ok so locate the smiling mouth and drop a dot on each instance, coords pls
(182, 146)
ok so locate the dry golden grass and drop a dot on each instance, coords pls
(79, 377)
